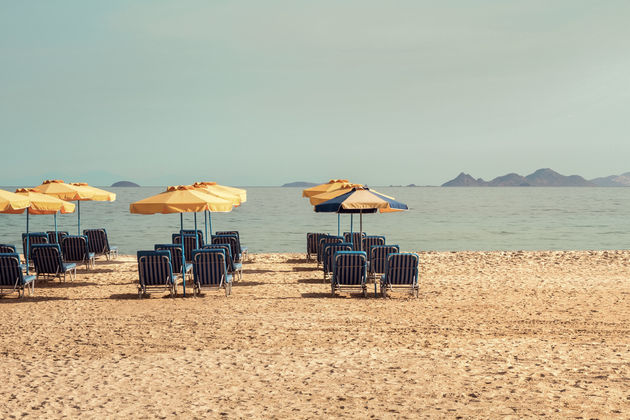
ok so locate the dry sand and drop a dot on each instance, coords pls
(492, 334)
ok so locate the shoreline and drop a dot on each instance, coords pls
(495, 333)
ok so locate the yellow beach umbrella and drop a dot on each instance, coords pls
(180, 199)
(333, 184)
(320, 198)
(97, 194)
(236, 195)
(12, 203)
(45, 204)
(63, 191)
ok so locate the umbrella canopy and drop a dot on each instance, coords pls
(333, 184)
(220, 191)
(180, 199)
(97, 194)
(241, 193)
(361, 200)
(12, 202)
(44, 204)
(63, 191)
(320, 198)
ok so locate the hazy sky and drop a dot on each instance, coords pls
(267, 92)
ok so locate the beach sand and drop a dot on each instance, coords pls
(491, 334)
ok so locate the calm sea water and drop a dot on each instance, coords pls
(442, 219)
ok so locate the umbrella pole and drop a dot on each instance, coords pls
(181, 232)
(79, 217)
(196, 236)
(205, 221)
(338, 224)
(27, 243)
(351, 235)
(56, 234)
(210, 219)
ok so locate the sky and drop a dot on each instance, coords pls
(262, 93)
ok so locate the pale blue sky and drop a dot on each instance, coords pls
(262, 93)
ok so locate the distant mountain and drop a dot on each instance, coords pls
(622, 180)
(124, 184)
(541, 178)
(465, 180)
(300, 184)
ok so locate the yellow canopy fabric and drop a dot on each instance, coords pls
(241, 193)
(214, 189)
(63, 191)
(96, 194)
(12, 202)
(320, 198)
(333, 184)
(180, 199)
(44, 204)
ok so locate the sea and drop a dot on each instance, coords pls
(276, 219)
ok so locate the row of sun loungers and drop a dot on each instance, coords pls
(352, 264)
(214, 266)
(51, 260)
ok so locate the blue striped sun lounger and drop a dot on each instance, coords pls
(378, 258)
(230, 240)
(349, 272)
(155, 272)
(12, 279)
(210, 271)
(355, 238)
(98, 243)
(401, 272)
(190, 244)
(176, 259)
(312, 242)
(329, 253)
(326, 239)
(56, 239)
(242, 250)
(233, 268)
(49, 263)
(74, 248)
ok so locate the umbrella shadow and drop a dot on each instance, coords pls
(312, 281)
(298, 261)
(306, 269)
(61, 285)
(238, 283)
(6, 300)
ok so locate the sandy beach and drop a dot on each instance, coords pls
(491, 334)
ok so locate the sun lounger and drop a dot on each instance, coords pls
(242, 250)
(210, 271)
(74, 248)
(378, 258)
(52, 239)
(176, 259)
(190, 244)
(7, 249)
(329, 253)
(312, 242)
(355, 238)
(370, 241)
(192, 232)
(155, 272)
(233, 268)
(11, 277)
(98, 243)
(401, 272)
(49, 263)
(326, 239)
(34, 238)
(232, 242)
(349, 272)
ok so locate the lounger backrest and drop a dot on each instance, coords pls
(74, 248)
(52, 239)
(199, 236)
(190, 244)
(329, 253)
(10, 270)
(34, 238)
(228, 240)
(7, 249)
(402, 268)
(209, 267)
(47, 258)
(235, 233)
(97, 240)
(350, 267)
(327, 239)
(378, 257)
(154, 268)
(229, 261)
(312, 240)
(355, 238)
(370, 241)
(176, 255)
